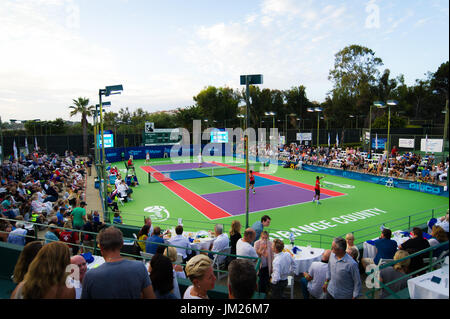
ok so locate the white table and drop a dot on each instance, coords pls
(199, 243)
(370, 251)
(304, 258)
(423, 288)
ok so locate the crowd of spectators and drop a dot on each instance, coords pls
(407, 165)
(56, 187)
(46, 189)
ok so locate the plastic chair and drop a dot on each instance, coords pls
(217, 265)
(146, 256)
(290, 285)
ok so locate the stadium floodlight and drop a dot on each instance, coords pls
(247, 80)
(107, 91)
(382, 105)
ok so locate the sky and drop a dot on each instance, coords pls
(166, 52)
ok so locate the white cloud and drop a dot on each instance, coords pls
(46, 61)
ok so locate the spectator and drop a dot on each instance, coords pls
(235, 235)
(350, 239)
(142, 237)
(443, 223)
(151, 244)
(438, 237)
(163, 279)
(414, 245)
(78, 278)
(244, 247)
(18, 235)
(52, 234)
(200, 272)
(117, 278)
(178, 271)
(181, 241)
(353, 252)
(312, 281)
(283, 266)
(27, 255)
(264, 250)
(385, 246)
(46, 276)
(117, 218)
(148, 221)
(395, 272)
(342, 278)
(5, 229)
(79, 216)
(258, 226)
(69, 237)
(221, 242)
(241, 279)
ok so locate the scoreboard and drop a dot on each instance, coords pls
(162, 137)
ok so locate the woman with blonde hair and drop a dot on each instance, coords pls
(171, 252)
(47, 274)
(200, 271)
(394, 272)
(235, 235)
(350, 239)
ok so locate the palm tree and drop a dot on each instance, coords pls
(81, 107)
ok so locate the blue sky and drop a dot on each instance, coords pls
(165, 52)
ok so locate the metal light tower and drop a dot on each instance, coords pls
(247, 80)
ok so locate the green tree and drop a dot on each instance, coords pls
(80, 106)
(218, 104)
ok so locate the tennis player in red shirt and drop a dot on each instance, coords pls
(317, 189)
(252, 182)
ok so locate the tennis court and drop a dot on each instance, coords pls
(215, 193)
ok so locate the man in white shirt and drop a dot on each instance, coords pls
(313, 280)
(283, 266)
(244, 247)
(221, 242)
(180, 240)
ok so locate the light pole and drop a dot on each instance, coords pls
(241, 117)
(292, 114)
(247, 80)
(382, 105)
(317, 110)
(107, 91)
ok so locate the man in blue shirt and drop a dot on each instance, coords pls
(51, 235)
(151, 242)
(342, 278)
(17, 236)
(386, 248)
(258, 226)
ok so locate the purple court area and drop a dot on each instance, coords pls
(180, 166)
(266, 197)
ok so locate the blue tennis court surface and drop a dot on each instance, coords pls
(239, 180)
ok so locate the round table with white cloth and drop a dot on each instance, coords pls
(422, 287)
(201, 240)
(305, 257)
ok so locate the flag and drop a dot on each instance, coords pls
(26, 146)
(376, 141)
(35, 144)
(328, 139)
(337, 139)
(426, 143)
(15, 150)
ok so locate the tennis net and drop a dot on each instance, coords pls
(165, 176)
